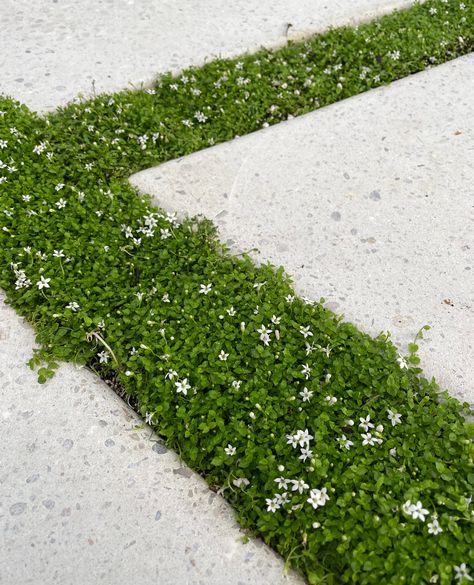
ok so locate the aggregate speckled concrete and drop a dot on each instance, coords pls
(88, 494)
(368, 203)
(52, 50)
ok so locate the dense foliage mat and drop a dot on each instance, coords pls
(331, 446)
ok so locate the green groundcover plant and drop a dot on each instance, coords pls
(329, 444)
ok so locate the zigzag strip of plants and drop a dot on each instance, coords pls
(330, 446)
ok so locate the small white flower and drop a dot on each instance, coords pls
(58, 254)
(43, 282)
(462, 572)
(264, 334)
(292, 440)
(306, 371)
(393, 452)
(418, 512)
(309, 348)
(402, 362)
(200, 117)
(345, 442)
(289, 298)
(365, 423)
(276, 320)
(331, 400)
(73, 306)
(38, 149)
(306, 331)
(434, 527)
(272, 505)
(282, 483)
(305, 454)
(170, 374)
(306, 394)
(326, 350)
(231, 312)
(205, 289)
(22, 281)
(263, 330)
(166, 298)
(258, 285)
(223, 356)
(241, 481)
(299, 485)
(282, 499)
(265, 339)
(303, 437)
(394, 417)
(379, 428)
(182, 386)
(149, 417)
(103, 357)
(368, 439)
(318, 498)
(230, 450)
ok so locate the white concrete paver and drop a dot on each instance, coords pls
(368, 203)
(88, 495)
(51, 50)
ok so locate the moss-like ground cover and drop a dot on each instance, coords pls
(331, 447)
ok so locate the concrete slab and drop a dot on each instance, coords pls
(368, 203)
(88, 495)
(52, 50)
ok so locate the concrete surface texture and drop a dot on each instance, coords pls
(89, 495)
(52, 50)
(367, 203)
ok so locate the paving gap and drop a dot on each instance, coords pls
(258, 390)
